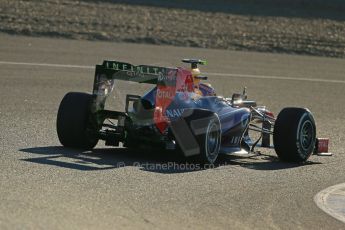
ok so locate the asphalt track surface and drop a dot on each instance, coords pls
(43, 185)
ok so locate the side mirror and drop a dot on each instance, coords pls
(238, 97)
(244, 93)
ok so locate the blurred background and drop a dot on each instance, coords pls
(312, 27)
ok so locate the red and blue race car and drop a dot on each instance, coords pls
(180, 113)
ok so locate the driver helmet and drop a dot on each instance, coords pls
(195, 73)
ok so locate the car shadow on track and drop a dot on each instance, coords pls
(146, 160)
(263, 162)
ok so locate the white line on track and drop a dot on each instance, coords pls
(332, 201)
(211, 74)
(46, 65)
(276, 77)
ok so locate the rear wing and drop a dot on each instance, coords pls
(109, 71)
(115, 70)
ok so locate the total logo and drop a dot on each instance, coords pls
(165, 94)
(174, 112)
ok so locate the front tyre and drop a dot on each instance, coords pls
(294, 134)
(73, 122)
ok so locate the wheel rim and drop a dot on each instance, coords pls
(212, 142)
(306, 135)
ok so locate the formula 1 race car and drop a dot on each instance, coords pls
(180, 113)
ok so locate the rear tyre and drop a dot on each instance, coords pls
(294, 134)
(207, 131)
(210, 141)
(73, 122)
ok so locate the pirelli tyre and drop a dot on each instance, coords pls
(205, 138)
(73, 122)
(294, 134)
